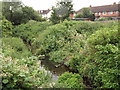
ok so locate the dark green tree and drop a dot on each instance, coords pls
(18, 13)
(86, 13)
(10, 8)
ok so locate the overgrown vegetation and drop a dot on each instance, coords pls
(22, 73)
(90, 49)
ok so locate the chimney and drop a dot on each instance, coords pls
(114, 3)
(90, 6)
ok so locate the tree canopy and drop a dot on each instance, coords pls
(61, 11)
(85, 13)
(18, 13)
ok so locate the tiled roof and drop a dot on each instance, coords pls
(105, 8)
(44, 11)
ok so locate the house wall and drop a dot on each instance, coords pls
(49, 14)
(108, 14)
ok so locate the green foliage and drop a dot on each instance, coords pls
(71, 80)
(19, 14)
(89, 48)
(30, 30)
(62, 41)
(99, 61)
(103, 37)
(15, 48)
(62, 11)
(30, 14)
(104, 19)
(87, 28)
(57, 42)
(54, 18)
(85, 13)
(104, 45)
(6, 27)
(22, 74)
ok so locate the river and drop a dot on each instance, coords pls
(55, 68)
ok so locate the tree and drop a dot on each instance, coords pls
(62, 11)
(18, 13)
(28, 13)
(86, 13)
(54, 17)
(10, 8)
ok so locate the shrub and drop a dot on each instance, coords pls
(104, 19)
(58, 42)
(29, 31)
(88, 28)
(71, 80)
(15, 48)
(6, 27)
(22, 74)
(103, 54)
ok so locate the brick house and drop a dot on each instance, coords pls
(112, 11)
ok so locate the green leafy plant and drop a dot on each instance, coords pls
(6, 27)
(71, 80)
(15, 48)
(22, 73)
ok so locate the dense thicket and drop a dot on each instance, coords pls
(90, 49)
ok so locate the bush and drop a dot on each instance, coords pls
(71, 80)
(15, 48)
(6, 27)
(22, 74)
(29, 31)
(102, 64)
(87, 28)
(104, 19)
(58, 42)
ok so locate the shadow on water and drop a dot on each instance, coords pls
(55, 68)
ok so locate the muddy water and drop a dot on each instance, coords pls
(55, 68)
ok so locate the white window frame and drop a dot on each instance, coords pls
(117, 12)
(109, 13)
(104, 13)
(99, 13)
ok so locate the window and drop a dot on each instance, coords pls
(117, 12)
(96, 13)
(110, 13)
(103, 13)
(99, 13)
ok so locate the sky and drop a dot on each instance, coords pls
(78, 4)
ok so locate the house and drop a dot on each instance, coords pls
(45, 13)
(112, 11)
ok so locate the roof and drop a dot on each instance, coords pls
(44, 11)
(105, 8)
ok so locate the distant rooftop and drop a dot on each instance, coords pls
(107, 8)
(44, 11)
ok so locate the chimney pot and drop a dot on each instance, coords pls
(114, 3)
(90, 5)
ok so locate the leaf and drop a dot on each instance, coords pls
(5, 81)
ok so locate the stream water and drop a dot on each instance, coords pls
(55, 68)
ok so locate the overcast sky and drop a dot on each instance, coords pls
(78, 4)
